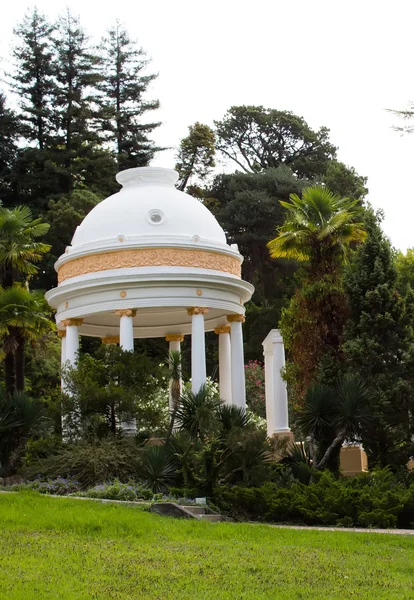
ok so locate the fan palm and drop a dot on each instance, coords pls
(196, 412)
(23, 316)
(19, 247)
(174, 363)
(319, 228)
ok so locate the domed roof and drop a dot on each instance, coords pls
(148, 208)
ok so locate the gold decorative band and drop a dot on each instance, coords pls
(174, 337)
(197, 310)
(110, 339)
(61, 333)
(222, 329)
(72, 322)
(236, 318)
(126, 312)
(149, 257)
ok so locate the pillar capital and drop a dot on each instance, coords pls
(236, 318)
(197, 310)
(72, 322)
(110, 339)
(174, 337)
(126, 312)
(222, 329)
(61, 333)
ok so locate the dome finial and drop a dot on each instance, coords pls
(147, 176)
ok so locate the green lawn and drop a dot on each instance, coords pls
(61, 548)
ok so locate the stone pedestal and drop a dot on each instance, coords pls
(353, 460)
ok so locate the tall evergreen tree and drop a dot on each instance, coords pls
(9, 131)
(123, 106)
(77, 74)
(196, 154)
(379, 346)
(33, 77)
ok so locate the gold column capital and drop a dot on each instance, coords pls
(236, 318)
(126, 312)
(72, 322)
(110, 339)
(222, 329)
(174, 337)
(61, 333)
(197, 310)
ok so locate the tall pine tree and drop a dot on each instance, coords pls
(9, 132)
(379, 346)
(75, 95)
(123, 106)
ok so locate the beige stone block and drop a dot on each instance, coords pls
(353, 460)
(410, 464)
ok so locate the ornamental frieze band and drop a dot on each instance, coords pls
(147, 257)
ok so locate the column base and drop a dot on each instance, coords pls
(283, 441)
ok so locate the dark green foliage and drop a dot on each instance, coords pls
(379, 346)
(330, 415)
(196, 154)
(345, 181)
(375, 500)
(159, 468)
(91, 462)
(33, 77)
(258, 138)
(9, 132)
(112, 387)
(20, 417)
(196, 412)
(123, 105)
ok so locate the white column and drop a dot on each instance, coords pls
(126, 328)
(198, 347)
(277, 414)
(72, 340)
(223, 333)
(174, 340)
(126, 341)
(238, 383)
(62, 335)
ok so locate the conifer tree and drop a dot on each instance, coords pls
(379, 346)
(33, 77)
(77, 74)
(123, 106)
(9, 131)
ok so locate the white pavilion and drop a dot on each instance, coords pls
(152, 261)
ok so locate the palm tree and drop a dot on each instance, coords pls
(330, 416)
(19, 247)
(23, 317)
(320, 228)
(174, 362)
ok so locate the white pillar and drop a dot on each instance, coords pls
(62, 335)
(223, 333)
(126, 341)
(72, 340)
(277, 415)
(238, 383)
(198, 348)
(174, 340)
(126, 328)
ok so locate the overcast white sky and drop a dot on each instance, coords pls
(336, 63)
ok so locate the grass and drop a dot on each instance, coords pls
(52, 548)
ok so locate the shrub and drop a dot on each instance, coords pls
(372, 500)
(129, 492)
(91, 462)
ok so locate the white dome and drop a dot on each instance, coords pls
(148, 207)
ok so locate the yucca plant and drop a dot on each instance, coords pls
(337, 414)
(197, 412)
(159, 468)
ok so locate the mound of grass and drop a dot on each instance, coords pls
(52, 548)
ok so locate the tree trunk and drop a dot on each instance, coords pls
(19, 363)
(338, 440)
(9, 373)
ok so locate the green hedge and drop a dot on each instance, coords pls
(373, 500)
